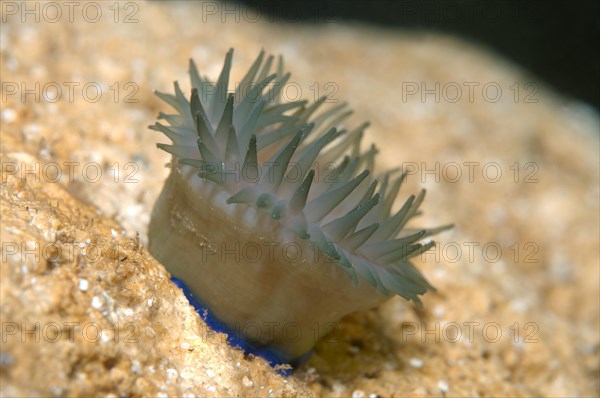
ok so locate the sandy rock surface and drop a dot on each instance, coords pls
(86, 309)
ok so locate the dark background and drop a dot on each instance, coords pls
(555, 41)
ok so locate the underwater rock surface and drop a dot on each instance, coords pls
(93, 312)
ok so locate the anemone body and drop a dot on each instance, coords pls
(271, 214)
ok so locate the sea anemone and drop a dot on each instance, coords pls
(271, 215)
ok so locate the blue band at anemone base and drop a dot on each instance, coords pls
(274, 356)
